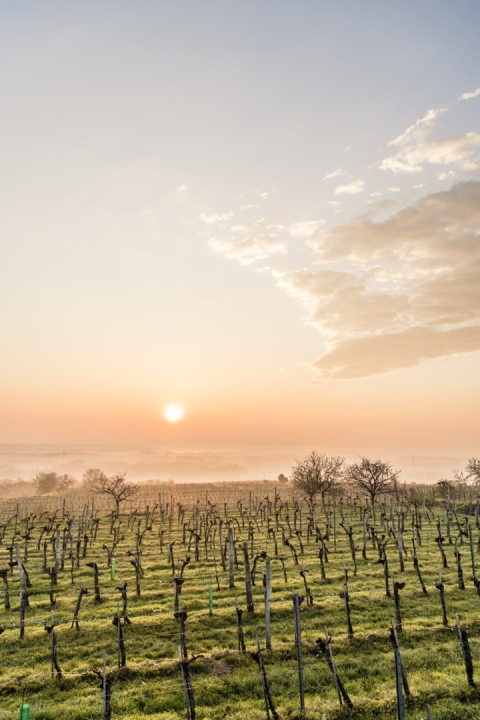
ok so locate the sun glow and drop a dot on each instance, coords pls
(173, 413)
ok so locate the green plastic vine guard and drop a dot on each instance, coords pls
(210, 600)
(112, 569)
(24, 712)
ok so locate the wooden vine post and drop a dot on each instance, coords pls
(231, 559)
(267, 696)
(298, 640)
(268, 603)
(399, 685)
(248, 579)
(466, 651)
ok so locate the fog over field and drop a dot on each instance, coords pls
(145, 463)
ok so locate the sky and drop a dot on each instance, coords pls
(266, 213)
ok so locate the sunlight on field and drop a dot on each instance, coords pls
(175, 547)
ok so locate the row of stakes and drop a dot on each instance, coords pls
(324, 648)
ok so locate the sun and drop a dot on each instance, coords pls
(173, 413)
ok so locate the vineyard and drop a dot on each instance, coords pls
(239, 601)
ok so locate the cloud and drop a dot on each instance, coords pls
(351, 189)
(212, 219)
(305, 229)
(378, 354)
(249, 250)
(334, 174)
(470, 95)
(416, 148)
(446, 175)
(182, 187)
(390, 294)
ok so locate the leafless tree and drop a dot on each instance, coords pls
(116, 487)
(372, 476)
(92, 477)
(473, 471)
(317, 474)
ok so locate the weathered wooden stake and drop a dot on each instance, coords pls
(268, 602)
(398, 683)
(248, 579)
(326, 650)
(96, 584)
(440, 586)
(395, 645)
(400, 543)
(240, 636)
(396, 596)
(121, 654)
(23, 605)
(417, 567)
(472, 556)
(467, 653)
(269, 706)
(298, 639)
(231, 559)
(346, 599)
(107, 690)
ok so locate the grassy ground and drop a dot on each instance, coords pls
(227, 683)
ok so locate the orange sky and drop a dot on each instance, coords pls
(193, 211)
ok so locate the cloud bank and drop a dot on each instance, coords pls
(390, 294)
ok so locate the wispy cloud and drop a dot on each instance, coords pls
(352, 188)
(334, 174)
(416, 148)
(305, 229)
(470, 95)
(249, 250)
(212, 219)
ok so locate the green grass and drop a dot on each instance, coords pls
(227, 683)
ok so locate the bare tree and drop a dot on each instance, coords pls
(372, 476)
(317, 474)
(92, 477)
(473, 471)
(116, 487)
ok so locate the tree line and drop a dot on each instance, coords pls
(319, 475)
(315, 475)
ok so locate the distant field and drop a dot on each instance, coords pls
(226, 682)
